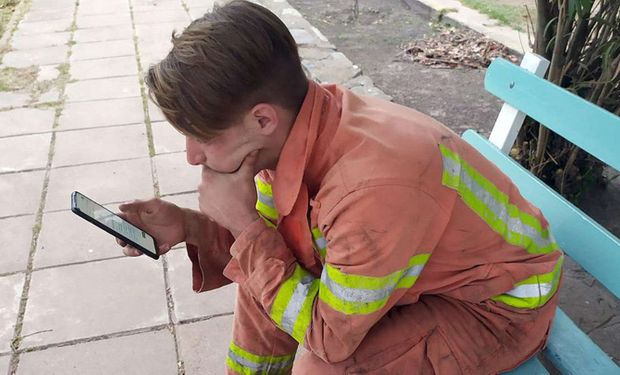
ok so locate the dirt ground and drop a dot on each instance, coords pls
(375, 41)
(457, 98)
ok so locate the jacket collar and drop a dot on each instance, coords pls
(296, 162)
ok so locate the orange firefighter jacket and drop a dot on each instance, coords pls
(373, 204)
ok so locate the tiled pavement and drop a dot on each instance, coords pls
(70, 303)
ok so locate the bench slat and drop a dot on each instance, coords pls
(594, 129)
(531, 367)
(572, 352)
(583, 239)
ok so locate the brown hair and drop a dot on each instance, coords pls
(222, 65)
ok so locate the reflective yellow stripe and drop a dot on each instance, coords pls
(292, 307)
(264, 202)
(320, 242)
(244, 362)
(354, 294)
(534, 291)
(493, 206)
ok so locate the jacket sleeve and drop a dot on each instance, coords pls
(378, 241)
(209, 252)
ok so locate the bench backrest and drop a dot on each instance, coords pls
(585, 241)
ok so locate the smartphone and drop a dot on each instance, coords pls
(105, 219)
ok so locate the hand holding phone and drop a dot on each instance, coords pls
(152, 226)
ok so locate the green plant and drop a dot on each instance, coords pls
(581, 38)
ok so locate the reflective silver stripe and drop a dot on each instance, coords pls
(530, 290)
(321, 242)
(361, 295)
(259, 366)
(296, 303)
(265, 199)
(515, 225)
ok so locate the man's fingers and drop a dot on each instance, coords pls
(131, 251)
(147, 206)
(129, 206)
(121, 242)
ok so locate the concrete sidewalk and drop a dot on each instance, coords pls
(71, 303)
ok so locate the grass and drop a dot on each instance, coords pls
(508, 15)
(7, 7)
(12, 79)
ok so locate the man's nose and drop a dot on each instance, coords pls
(193, 152)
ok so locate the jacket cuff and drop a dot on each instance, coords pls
(255, 253)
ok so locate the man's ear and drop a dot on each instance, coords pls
(266, 117)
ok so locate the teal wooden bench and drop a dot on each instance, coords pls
(598, 251)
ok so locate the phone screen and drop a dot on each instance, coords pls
(114, 222)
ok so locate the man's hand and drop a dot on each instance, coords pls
(163, 220)
(229, 199)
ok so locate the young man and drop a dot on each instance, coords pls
(380, 241)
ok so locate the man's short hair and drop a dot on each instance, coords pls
(222, 65)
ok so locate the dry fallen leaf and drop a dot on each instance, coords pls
(452, 48)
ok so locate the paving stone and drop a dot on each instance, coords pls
(39, 56)
(197, 12)
(20, 42)
(53, 95)
(147, 59)
(155, 113)
(15, 238)
(200, 3)
(101, 144)
(102, 20)
(27, 186)
(97, 50)
(9, 99)
(141, 5)
(160, 32)
(44, 27)
(26, 120)
(4, 364)
(37, 5)
(167, 139)
(88, 242)
(314, 53)
(303, 37)
(175, 175)
(102, 34)
(152, 47)
(336, 68)
(93, 299)
(10, 294)
(145, 353)
(24, 152)
(160, 16)
(100, 7)
(49, 14)
(189, 304)
(48, 73)
(204, 345)
(80, 115)
(294, 20)
(106, 88)
(110, 182)
(101, 68)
